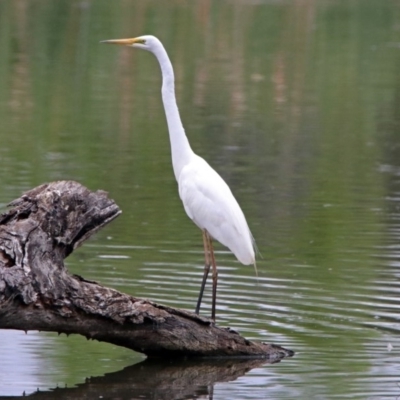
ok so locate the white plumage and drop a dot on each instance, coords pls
(210, 204)
(206, 197)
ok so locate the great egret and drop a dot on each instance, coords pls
(206, 197)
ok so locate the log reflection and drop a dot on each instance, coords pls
(156, 380)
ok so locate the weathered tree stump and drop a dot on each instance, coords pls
(37, 293)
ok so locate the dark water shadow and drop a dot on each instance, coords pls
(155, 379)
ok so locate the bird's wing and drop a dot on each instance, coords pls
(209, 202)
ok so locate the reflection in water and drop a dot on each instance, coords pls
(16, 376)
(158, 380)
(294, 103)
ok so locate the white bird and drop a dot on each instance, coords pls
(206, 197)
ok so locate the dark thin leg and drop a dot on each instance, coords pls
(211, 392)
(214, 277)
(206, 271)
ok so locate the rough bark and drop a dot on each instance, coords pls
(37, 293)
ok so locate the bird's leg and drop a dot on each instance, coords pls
(206, 270)
(214, 277)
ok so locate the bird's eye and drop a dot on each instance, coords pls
(140, 41)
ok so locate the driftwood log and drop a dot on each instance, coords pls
(41, 229)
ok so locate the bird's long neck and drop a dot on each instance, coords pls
(180, 147)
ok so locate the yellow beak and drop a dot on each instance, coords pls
(123, 42)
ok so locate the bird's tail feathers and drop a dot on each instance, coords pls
(256, 250)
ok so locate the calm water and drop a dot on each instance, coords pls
(296, 104)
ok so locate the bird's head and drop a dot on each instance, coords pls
(147, 42)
